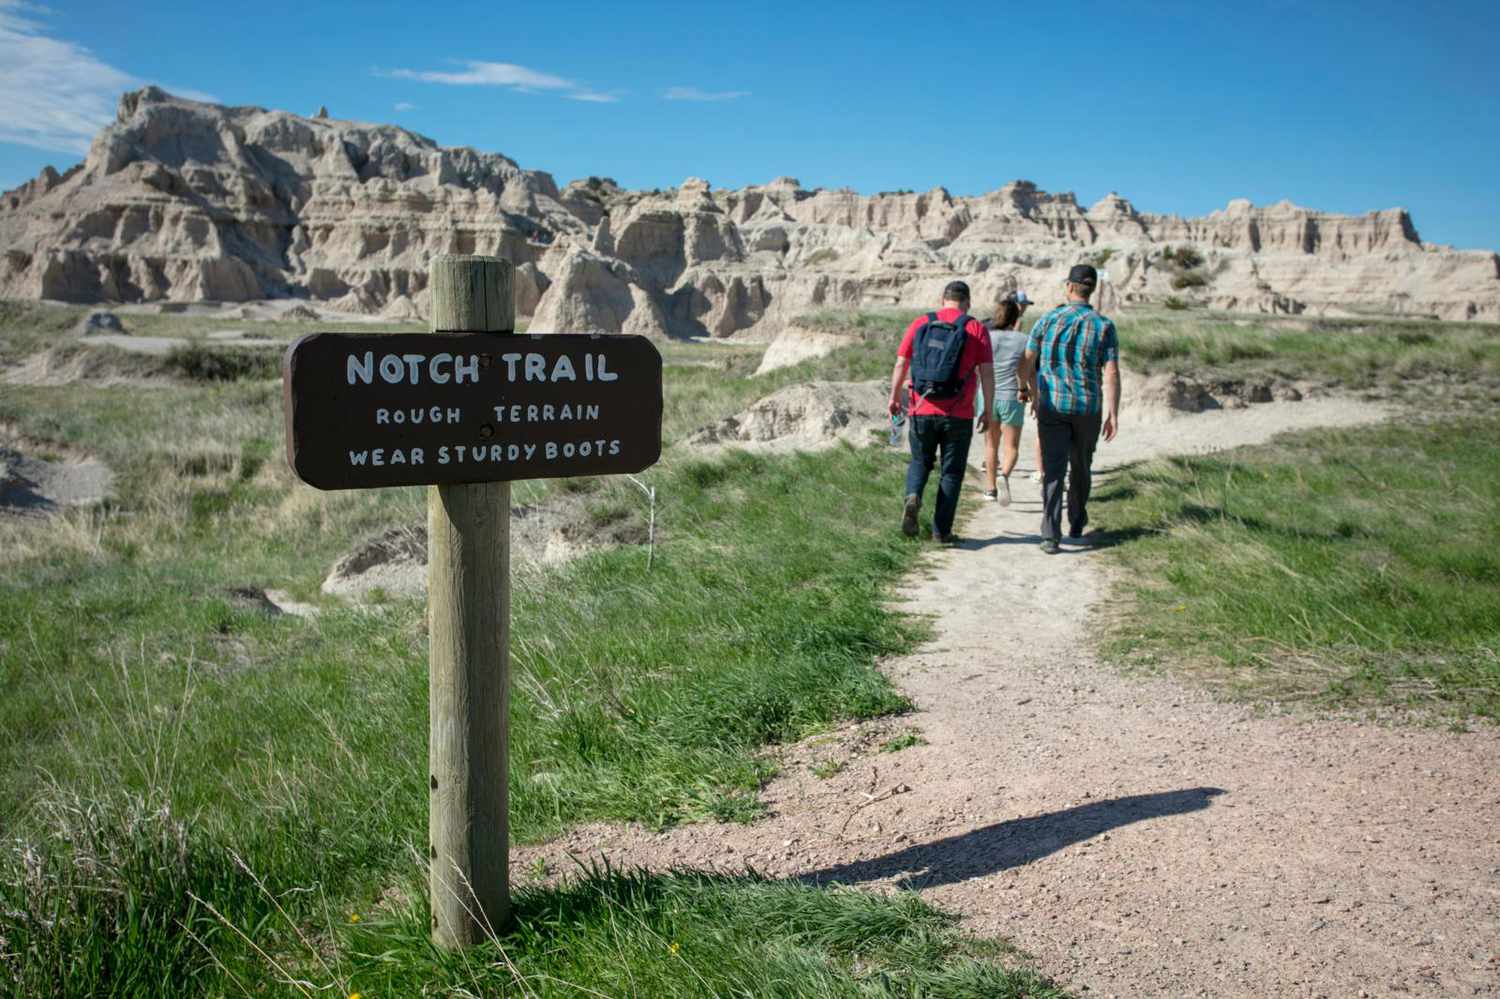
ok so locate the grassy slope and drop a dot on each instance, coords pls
(1356, 354)
(161, 741)
(1350, 566)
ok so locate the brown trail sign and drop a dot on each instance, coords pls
(465, 410)
(399, 409)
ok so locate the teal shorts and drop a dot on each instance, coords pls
(1011, 413)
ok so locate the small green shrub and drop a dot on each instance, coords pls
(1175, 304)
(221, 364)
(1187, 258)
(907, 739)
(1189, 279)
(825, 769)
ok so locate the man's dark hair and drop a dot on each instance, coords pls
(956, 291)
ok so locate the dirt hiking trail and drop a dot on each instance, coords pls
(1134, 836)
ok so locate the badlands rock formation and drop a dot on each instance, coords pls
(184, 201)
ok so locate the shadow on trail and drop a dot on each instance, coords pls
(1010, 844)
(1099, 539)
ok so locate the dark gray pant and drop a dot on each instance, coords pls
(1068, 439)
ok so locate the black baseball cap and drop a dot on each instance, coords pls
(956, 291)
(1083, 274)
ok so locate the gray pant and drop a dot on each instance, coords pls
(1067, 439)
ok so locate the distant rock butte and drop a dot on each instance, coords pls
(185, 201)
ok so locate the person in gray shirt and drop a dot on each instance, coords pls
(1007, 410)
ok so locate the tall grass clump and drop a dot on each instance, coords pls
(1347, 566)
(198, 362)
(687, 934)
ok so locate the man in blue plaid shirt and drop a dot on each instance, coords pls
(1072, 367)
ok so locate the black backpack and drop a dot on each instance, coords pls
(935, 354)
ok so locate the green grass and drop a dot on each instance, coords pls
(688, 934)
(165, 902)
(1349, 567)
(886, 324)
(26, 327)
(1405, 356)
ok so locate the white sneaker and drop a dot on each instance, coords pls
(1036, 476)
(1005, 491)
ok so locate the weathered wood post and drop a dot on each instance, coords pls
(468, 611)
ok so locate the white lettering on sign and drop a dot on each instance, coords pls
(536, 368)
(532, 413)
(533, 368)
(431, 414)
(397, 369)
(379, 456)
(471, 454)
(590, 372)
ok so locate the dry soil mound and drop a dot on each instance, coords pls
(796, 344)
(809, 416)
(393, 562)
(35, 486)
(1160, 397)
(545, 534)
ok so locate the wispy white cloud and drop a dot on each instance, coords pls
(405, 106)
(55, 94)
(505, 74)
(696, 94)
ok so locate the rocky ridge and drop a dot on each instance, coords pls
(184, 201)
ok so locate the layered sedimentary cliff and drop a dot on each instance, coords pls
(180, 200)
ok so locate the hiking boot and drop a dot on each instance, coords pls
(945, 539)
(909, 516)
(992, 495)
(1050, 546)
(1004, 491)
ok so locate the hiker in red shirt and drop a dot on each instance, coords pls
(948, 354)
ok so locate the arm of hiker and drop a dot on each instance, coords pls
(1028, 377)
(1111, 359)
(898, 378)
(1111, 399)
(987, 385)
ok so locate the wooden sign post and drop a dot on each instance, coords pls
(466, 409)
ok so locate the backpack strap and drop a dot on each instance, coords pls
(962, 322)
(911, 387)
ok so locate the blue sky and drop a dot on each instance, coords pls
(1177, 106)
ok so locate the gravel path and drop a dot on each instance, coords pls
(1134, 836)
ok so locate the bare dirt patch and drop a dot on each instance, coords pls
(33, 485)
(1136, 836)
(550, 533)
